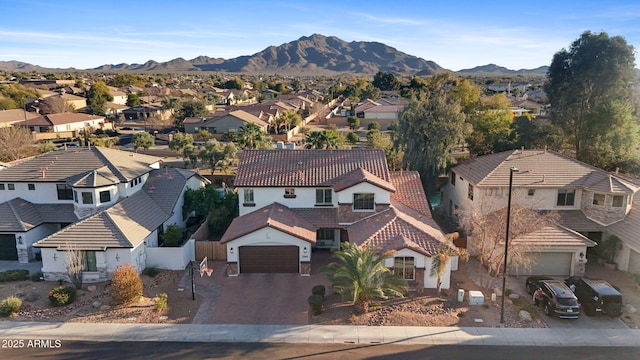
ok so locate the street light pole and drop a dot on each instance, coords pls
(506, 242)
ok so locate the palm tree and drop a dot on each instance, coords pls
(443, 255)
(252, 137)
(314, 140)
(360, 274)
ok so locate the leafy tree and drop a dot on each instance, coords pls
(353, 138)
(354, 122)
(429, 130)
(468, 95)
(492, 127)
(375, 140)
(361, 275)
(54, 105)
(180, 142)
(386, 81)
(190, 108)
(133, 99)
(326, 139)
(235, 83)
(373, 126)
(291, 119)
(142, 140)
(208, 201)
(589, 87)
(16, 96)
(171, 103)
(98, 96)
(15, 143)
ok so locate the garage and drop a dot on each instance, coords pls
(269, 259)
(8, 250)
(547, 263)
(634, 262)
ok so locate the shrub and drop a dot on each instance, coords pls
(161, 302)
(151, 271)
(36, 276)
(315, 304)
(353, 138)
(318, 290)
(10, 306)
(126, 285)
(62, 295)
(373, 126)
(14, 275)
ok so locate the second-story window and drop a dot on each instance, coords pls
(566, 197)
(65, 192)
(105, 196)
(618, 200)
(248, 196)
(598, 199)
(470, 193)
(1, 186)
(87, 197)
(323, 197)
(31, 186)
(363, 201)
(11, 186)
(289, 192)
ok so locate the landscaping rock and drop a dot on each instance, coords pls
(630, 309)
(105, 307)
(525, 316)
(91, 288)
(96, 304)
(514, 296)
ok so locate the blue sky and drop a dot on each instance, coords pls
(455, 34)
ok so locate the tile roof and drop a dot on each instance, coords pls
(628, 230)
(131, 220)
(72, 164)
(15, 115)
(320, 217)
(576, 219)
(409, 191)
(539, 168)
(59, 119)
(549, 236)
(239, 114)
(276, 216)
(20, 215)
(306, 168)
(358, 176)
(96, 178)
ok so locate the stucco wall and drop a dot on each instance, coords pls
(171, 258)
(267, 237)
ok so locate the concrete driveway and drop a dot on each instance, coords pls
(263, 299)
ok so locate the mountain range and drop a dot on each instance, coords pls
(309, 55)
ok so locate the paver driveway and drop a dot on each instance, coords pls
(269, 299)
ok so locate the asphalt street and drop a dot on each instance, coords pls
(71, 350)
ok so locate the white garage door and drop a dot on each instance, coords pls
(547, 263)
(634, 262)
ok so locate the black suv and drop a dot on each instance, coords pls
(557, 299)
(597, 296)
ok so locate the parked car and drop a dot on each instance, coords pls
(597, 296)
(558, 300)
(532, 282)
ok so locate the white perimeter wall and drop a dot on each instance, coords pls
(171, 258)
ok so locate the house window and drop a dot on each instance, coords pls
(618, 200)
(105, 196)
(31, 186)
(11, 186)
(1, 186)
(323, 196)
(363, 201)
(89, 261)
(566, 197)
(531, 192)
(453, 178)
(65, 192)
(248, 196)
(470, 193)
(289, 193)
(404, 266)
(75, 196)
(87, 197)
(325, 237)
(598, 199)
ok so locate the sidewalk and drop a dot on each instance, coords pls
(319, 334)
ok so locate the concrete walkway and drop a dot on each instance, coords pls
(319, 334)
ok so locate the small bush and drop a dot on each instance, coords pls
(10, 306)
(315, 304)
(151, 271)
(161, 302)
(14, 275)
(353, 138)
(318, 290)
(62, 295)
(126, 285)
(37, 276)
(373, 126)
(507, 292)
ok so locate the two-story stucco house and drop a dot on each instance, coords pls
(107, 203)
(295, 201)
(590, 202)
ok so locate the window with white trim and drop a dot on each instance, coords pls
(598, 199)
(105, 196)
(566, 197)
(618, 200)
(248, 196)
(289, 192)
(323, 197)
(404, 266)
(87, 197)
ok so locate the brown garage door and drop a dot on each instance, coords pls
(269, 259)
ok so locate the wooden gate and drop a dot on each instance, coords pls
(213, 250)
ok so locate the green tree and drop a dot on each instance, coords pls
(98, 96)
(386, 81)
(16, 96)
(235, 83)
(190, 108)
(291, 119)
(251, 136)
(354, 122)
(361, 275)
(133, 99)
(590, 90)
(353, 138)
(492, 127)
(326, 139)
(180, 142)
(429, 130)
(142, 140)
(375, 140)
(171, 103)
